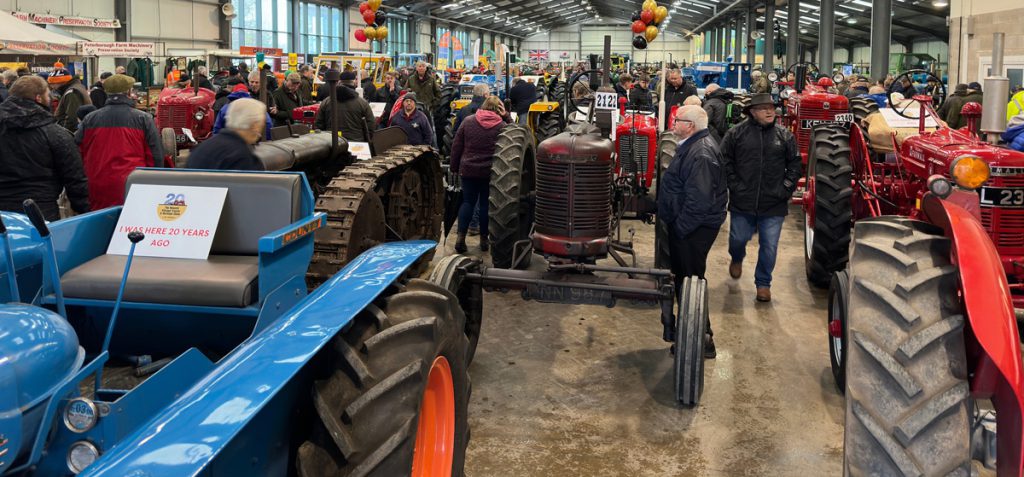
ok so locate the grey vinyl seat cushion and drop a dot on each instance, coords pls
(221, 280)
(256, 204)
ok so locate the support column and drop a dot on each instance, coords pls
(793, 32)
(769, 36)
(881, 36)
(297, 45)
(827, 35)
(751, 26)
(737, 54)
(713, 44)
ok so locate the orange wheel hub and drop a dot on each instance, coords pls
(435, 435)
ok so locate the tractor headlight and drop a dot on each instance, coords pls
(80, 415)
(940, 186)
(81, 455)
(773, 76)
(969, 172)
(838, 78)
(199, 115)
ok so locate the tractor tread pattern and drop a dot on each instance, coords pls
(832, 204)
(668, 142)
(446, 274)
(506, 194)
(369, 428)
(862, 107)
(342, 197)
(907, 396)
(691, 327)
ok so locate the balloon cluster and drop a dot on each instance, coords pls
(645, 23)
(375, 29)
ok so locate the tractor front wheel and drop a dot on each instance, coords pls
(170, 144)
(838, 309)
(395, 393)
(691, 328)
(907, 400)
(827, 241)
(450, 274)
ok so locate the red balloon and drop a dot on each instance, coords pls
(363, 7)
(638, 27)
(646, 16)
(360, 35)
(368, 17)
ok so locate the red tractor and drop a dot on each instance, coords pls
(189, 108)
(923, 335)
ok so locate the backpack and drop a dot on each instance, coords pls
(733, 115)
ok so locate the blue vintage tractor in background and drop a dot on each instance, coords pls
(734, 76)
(141, 366)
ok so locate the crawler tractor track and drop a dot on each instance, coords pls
(395, 196)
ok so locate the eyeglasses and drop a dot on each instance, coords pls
(681, 120)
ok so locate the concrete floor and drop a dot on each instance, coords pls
(563, 390)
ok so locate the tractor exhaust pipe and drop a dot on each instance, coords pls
(331, 78)
(996, 90)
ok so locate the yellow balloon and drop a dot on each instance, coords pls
(650, 5)
(374, 4)
(651, 33)
(660, 13)
(382, 32)
(370, 32)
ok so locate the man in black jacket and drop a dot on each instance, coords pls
(520, 97)
(677, 89)
(231, 149)
(693, 199)
(355, 118)
(388, 94)
(287, 98)
(716, 104)
(97, 94)
(762, 166)
(39, 157)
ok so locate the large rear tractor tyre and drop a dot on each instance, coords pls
(447, 137)
(739, 102)
(511, 207)
(450, 274)
(862, 107)
(827, 242)
(394, 396)
(838, 310)
(443, 111)
(667, 144)
(549, 125)
(907, 408)
(691, 330)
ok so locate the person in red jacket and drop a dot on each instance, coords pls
(114, 140)
(472, 156)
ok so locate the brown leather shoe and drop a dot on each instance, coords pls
(736, 269)
(764, 294)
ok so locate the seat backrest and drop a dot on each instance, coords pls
(256, 203)
(387, 138)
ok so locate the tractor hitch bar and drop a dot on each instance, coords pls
(576, 284)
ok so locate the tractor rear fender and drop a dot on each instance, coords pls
(212, 416)
(543, 106)
(997, 373)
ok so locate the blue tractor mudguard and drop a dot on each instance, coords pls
(225, 364)
(27, 258)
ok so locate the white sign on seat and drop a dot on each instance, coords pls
(178, 221)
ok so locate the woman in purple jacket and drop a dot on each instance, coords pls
(472, 155)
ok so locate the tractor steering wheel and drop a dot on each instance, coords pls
(935, 94)
(571, 98)
(792, 69)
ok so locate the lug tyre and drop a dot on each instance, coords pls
(838, 309)
(667, 144)
(450, 273)
(827, 242)
(862, 107)
(396, 391)
(447, 137)
(511, 208)
(907, 408)
(740, 101)
(549, 125)
(691, 327)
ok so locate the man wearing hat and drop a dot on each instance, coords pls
(355, 118)
(114, 140)
(414, 122)
(287, 98)
(762, 166)
(239, 91)
(71, 95)
(97, 94)
(950, 109)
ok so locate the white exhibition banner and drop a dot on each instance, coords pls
(67, 20)
(117, 49)
(178, 221)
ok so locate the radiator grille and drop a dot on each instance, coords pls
(172, 116)
(627, 163)
(574, 200)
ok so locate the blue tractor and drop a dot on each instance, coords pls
(729, 75)
(123, 365)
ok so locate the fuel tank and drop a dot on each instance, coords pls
(299, 152)
(574, 193)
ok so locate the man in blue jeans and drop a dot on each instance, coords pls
(762, 166)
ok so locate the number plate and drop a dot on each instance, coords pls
(1002, 197)
(568, 294)
(605, 100)
(843, 119)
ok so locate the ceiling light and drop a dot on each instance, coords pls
(940, 3)
(589, 7)
(803, 30)
(851, 20)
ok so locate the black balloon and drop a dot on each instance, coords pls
(636, 16)
(380, 17)
(639, 43)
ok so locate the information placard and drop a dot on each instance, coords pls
(179, 221)
(378, 109)
(894, 120)
(606, 100)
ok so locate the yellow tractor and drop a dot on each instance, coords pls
(374, 67)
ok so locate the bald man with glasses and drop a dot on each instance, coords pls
(692, 197)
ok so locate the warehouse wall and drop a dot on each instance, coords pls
(574, 40)
(972, 23)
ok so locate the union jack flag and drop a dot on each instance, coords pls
(539, 55)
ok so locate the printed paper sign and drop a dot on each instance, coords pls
(894, 120)
(378, 109)
(359, 150)
(606, 100)
(178, 221)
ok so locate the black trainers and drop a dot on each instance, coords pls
(460, 247)
(709, 348)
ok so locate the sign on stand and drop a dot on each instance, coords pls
(606, 100)
(179, 221)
